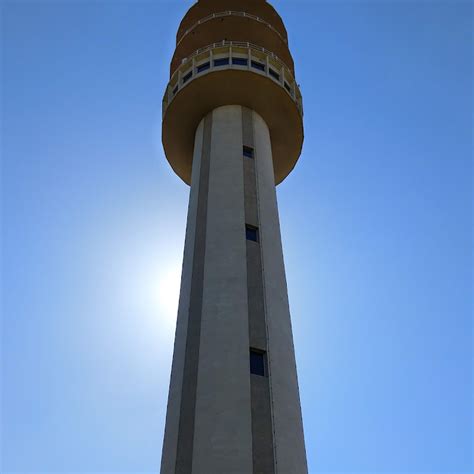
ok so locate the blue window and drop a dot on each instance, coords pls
(259, 66)
(240, 61)
(248, 151)
(251, 233)
(274, 74)
(187, 77)
(203, 67)
(257, 362)
(221, 62)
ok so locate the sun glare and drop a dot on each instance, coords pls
(168, 293)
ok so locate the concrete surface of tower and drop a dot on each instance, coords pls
(233, 129)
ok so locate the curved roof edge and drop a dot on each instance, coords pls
(215, 6)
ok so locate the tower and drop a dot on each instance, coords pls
(233, 129)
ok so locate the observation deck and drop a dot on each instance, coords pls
(232, 52)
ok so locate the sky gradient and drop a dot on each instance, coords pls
(376, 226)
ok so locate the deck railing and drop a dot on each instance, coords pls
(231, 13)
(232, 55)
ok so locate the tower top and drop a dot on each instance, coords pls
(232, 52)
(259, 8)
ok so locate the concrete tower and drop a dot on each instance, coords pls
(233, 129)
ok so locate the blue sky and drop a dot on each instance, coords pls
(376, 225)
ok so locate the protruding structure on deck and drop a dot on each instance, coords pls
(232, 52)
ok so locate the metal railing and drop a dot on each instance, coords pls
(190, 68)
(231, 13)
(237, 44)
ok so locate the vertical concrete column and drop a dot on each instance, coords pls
(208, 424)
(223, 437)
(262, 425)
(287, 422)
(170, 442)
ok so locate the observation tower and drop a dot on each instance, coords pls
(233, 130)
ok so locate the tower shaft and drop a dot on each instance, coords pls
(233, 403)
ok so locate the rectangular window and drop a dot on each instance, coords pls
(175, 89)
(287, 87)
(257, 362)
(221, 62)
(240, 61)
(259, 66)
(248, 151)
(274, 74)
(203, 67)
(187, 77)
(251, 233)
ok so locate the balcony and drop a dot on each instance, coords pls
(232, 55)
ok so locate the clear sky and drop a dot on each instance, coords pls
(376, 224)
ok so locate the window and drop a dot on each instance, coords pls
(187, 77)
(251, 233)
(274, 74)
(203, 67)
(240, 61)
(257, 362)
(221, 62)
(259, 66)
(287, 87)
(248, 151)
(175, 89)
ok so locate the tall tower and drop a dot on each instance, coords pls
(233, 129)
